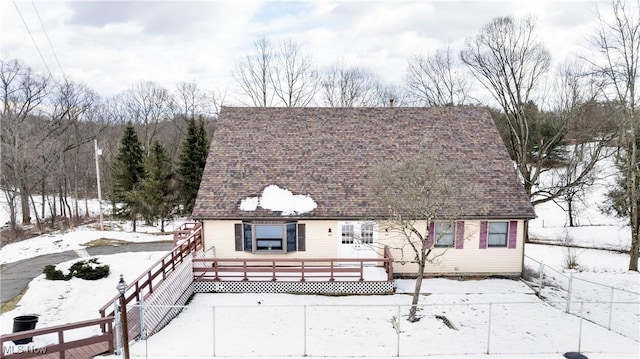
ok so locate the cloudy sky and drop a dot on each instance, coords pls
(110, 45)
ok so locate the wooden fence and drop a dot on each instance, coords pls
(79, 348)
(189, 240)
(318, 269)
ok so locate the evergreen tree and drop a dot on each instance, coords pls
(192, 158)
(128, 171)
(157, 192)
(620, 198)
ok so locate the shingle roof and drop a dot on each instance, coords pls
(328, 153)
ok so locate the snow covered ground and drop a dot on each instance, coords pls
(515, 324)
(339, 326)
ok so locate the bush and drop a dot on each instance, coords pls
(88, 270)
(51, 273)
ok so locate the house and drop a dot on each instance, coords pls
(292, 183)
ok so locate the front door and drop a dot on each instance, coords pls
(357, 240)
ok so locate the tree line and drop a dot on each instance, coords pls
(48, 131)
(561, 120)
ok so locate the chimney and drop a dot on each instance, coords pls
(391, 102)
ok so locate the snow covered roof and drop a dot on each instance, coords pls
(279, 199)
(327, 155)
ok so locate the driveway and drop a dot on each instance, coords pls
(16, 276)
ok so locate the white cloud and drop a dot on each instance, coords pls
(110, 45)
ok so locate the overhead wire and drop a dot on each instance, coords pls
(48, 39)
(32, 38)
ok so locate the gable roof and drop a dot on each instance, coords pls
(328, 153)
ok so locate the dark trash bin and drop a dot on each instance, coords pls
(22, 323)
(574, 355)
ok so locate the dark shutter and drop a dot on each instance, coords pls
(291, 237)
(431, 234)
(513, 233)
(301, 238)
(459, 236)
(238, 237)
(248, 237)
(483, 234)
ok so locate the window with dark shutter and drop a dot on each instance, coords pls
(248, 237)
(291, 237)
(460, 235)
(513, 233)
(301, 237)
(483, 234)
(268, 237)
(238, 236)
(431, 235)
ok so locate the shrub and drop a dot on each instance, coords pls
(51, 273)
(88, 270)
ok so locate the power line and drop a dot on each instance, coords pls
(32, 38)
(48, 39)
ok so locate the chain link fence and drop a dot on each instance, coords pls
(383, 331)
(616, 309)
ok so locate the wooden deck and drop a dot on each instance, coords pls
(300, 270)
(290, 269)
(88, 351)
(79, 348)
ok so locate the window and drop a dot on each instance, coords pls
(444, 235)
(497, 234)
(268, 237)
(366, 233)
(347, 234)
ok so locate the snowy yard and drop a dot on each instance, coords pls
(237, 325)
(293, 325)
(472, 317)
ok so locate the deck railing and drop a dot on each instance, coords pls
(62, 346)
(289, 269)
(187, 239)
(388, 265)
(186, 231)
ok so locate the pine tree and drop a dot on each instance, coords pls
(192, 158)
(128, 171)
(621, 196)
(157, 192)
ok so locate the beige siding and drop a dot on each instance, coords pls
(220, 242)
(469, 260)
(219, 239)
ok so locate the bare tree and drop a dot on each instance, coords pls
(74, 107)
(277, 75)
(390, 95)
(190, 101)
(575, 105)
(436, 80)
(147, 105)
(254, 74)
(294, 80)
(217, 99)
(349, 86)
(509, 61)
(417, 192)
(617, 61)
(23, 93)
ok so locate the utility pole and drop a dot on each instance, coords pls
(98, 153)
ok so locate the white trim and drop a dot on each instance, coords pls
(357, 249)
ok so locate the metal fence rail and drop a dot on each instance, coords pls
(602, 308)
(383, 331)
